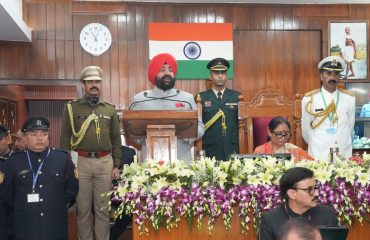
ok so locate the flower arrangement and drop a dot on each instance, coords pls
(160, 194)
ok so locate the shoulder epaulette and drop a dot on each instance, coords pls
(346, 92)
(59, 150)
(307, 94)
(110, 104)
(73, 101)
(17, 152)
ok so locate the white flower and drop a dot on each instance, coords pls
(252, 179)
(265, 177)
(158, 184)
(249, 166)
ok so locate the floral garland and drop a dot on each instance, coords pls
(162, 193)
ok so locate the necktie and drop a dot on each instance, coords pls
(219, 95)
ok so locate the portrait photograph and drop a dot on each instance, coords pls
(348, 40)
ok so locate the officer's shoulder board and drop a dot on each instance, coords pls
(111, 104)
(60, 150)
(307, 94)
(346, 92)
(74, 101)
(17, 153)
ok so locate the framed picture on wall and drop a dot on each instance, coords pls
(349, 41)
(361, 131)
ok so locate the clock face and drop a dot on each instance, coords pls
(95, 38)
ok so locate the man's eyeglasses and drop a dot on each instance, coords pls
(310, 190)
(280, 135)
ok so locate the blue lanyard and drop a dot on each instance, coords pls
(35, 176)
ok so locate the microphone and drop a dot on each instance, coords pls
(166, 98)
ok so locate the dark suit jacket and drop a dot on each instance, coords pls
(214, 143)
(46, 219)
(272, 221)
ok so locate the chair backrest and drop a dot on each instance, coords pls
(241, 103)
(258, 112)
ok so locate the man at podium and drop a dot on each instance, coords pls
(161, 73)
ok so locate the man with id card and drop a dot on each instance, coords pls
(328, 113)
(39, 183)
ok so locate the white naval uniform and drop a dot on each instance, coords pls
(174, 100)
(319, 140)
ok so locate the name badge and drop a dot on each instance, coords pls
(331, 130)
(33, 197)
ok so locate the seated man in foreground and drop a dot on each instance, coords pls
(299, 191)
(299, 229)
(161, 73)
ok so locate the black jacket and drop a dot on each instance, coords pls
(272, 221)
(56, 185)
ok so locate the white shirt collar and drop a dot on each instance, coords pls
(328, 94)
(216, 91)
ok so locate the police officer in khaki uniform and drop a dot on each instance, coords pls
(91, 128)
(39, 184)
(220, 113)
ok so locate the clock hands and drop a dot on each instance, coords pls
(95, 35)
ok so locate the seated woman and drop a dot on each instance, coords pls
(277, 141)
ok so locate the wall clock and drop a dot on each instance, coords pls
(95, 38)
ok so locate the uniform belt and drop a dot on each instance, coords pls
(92, 154)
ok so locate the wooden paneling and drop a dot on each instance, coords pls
(52, 110)
(92, 7)
(275, 46)
(50, 93)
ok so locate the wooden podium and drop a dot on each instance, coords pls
(161, 129)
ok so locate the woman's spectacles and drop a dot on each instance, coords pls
(280, 135)
(310, 190)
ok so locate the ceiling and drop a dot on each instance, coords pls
(13, 28)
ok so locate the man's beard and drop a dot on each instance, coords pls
(160, 83)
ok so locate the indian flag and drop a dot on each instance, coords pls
(193, 45)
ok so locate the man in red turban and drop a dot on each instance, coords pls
(159, 62)
(161, 73)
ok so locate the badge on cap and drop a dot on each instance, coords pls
(334, 63)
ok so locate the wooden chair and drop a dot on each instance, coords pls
(260, 110)
(241, 103)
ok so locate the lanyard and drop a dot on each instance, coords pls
(35, 176)
(330, 116)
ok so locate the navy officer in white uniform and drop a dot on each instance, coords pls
(328, 113)
(161, 73)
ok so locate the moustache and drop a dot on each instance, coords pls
(332, 81)
(166, 76)
(94, 88)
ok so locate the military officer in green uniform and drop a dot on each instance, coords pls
(220, 113)
(91, 128)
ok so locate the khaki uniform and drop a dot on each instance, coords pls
(95, 171)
